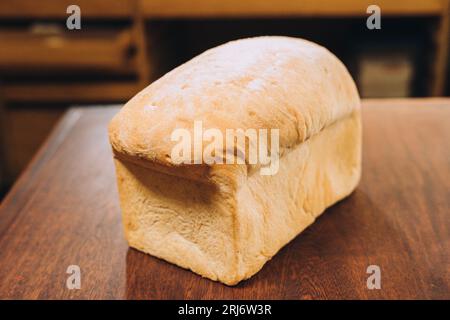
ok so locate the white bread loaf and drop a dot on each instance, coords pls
(224, 221)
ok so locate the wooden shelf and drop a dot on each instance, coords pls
(123, 9)
(94, 51)
(109, 54)
(283, 8)
(119, 9)
(102, 92)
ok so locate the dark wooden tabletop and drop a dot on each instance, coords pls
(64, 211)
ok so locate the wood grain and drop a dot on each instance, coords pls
(64, 210)
(286, 8)
(95, 51)
(92, 9)
(75, 92)
(122, 9)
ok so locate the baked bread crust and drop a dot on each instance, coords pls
(225, 221)
(284, 83)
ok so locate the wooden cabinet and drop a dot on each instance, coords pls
(45, 68)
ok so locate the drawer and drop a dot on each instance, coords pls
(56, 50)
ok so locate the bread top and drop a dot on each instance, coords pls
(273, 82)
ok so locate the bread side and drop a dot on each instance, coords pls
(183, 221)
(272, 210)
(227, 230)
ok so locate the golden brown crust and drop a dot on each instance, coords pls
(267, 82)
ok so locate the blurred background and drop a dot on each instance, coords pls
(123, 45)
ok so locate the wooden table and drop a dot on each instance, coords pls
(64, 211)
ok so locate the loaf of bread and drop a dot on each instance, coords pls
(225, 220)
